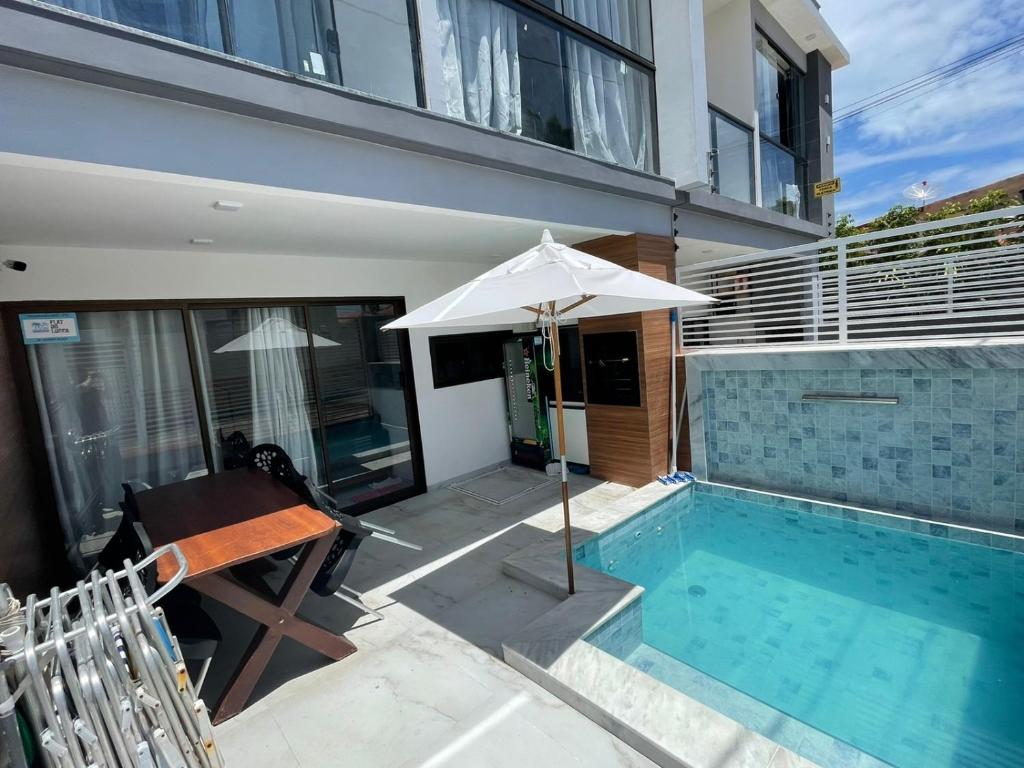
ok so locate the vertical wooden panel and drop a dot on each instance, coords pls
(631, 445)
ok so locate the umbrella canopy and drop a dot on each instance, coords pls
(274, 333)
(550, 283)
(581, 285)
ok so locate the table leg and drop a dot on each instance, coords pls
(277, 620)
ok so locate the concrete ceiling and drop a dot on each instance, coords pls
(693, 251)
(45, 202)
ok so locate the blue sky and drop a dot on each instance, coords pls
(968, 133)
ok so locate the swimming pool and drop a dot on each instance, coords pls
(907, 646)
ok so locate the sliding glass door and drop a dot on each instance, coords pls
(149, 396)
(116, 405)
(364, 402)
(254, 373)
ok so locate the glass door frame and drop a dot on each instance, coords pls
(18, 353)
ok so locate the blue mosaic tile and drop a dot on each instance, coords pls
(952, 449)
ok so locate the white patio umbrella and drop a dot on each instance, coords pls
(548, 284)
(274, 333)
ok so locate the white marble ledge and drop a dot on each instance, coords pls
(660, 722)
(954, 353)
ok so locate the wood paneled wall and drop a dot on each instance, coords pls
(31, 559)
(631, 445)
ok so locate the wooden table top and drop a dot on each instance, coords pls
(227, 518)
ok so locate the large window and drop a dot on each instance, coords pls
(625, 22)
(732, 158)
(525, 72)
(368, 45)
(780, 91)
(151, 396)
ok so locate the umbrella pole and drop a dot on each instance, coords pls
(556, 353)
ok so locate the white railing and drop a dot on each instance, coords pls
(957, 278)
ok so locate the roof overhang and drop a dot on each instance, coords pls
(803, 21)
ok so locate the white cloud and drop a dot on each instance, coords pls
(891, 41)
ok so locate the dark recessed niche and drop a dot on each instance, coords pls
(613, 369)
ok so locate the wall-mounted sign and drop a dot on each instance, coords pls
(828, 187)
(49, 328)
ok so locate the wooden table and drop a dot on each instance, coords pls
(228, 518)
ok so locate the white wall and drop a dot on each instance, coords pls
(463, 428)
(729, 41)
(683, 140)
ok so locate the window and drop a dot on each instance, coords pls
(732, 158)
(520, 71)
(467, 357)
(368, 45)
(378, 48)
(626, 22)
(780, 122)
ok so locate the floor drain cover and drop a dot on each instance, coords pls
(697, 590)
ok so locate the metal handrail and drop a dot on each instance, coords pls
(838, 398)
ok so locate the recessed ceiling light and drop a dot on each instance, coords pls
(227, 205)
(201, 241)
(811, 36)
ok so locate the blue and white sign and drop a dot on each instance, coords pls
(49, 328)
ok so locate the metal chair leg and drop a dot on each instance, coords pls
(358, 604)
(202, 674)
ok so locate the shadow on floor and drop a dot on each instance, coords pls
(455, 582)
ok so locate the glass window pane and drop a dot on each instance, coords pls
(733, 147)
(254, 370)
(191, 21)
(286, 34)
(365, 410)
(116, 407)
(611, 107)
(626, 22)
(779, 95)
(781, 180)
(377, 48)
(545, 106)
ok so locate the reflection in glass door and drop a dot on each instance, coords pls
(364, 402)
(116, 405)
(255, 377)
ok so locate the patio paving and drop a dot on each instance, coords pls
(427, 686)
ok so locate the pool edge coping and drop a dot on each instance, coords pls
(660, 722)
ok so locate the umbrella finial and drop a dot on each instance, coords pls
(546, 237)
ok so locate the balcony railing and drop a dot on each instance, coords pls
(732, 158)
(957, 278)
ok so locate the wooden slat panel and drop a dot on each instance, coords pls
(631, 445)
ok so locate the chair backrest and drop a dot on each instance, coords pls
(273, 459)
(130, 541)
(337, 564)
(234, 449)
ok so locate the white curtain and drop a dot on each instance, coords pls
(480, 63)
(115, 407)
(278, 372)
(610, 107)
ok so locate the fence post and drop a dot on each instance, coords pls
(841, 290)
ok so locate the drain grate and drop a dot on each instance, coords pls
(697, 590)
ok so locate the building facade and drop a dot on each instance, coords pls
(219, 204)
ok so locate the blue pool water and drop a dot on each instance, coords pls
(908, 647)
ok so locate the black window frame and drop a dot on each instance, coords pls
(472, 342)
(799, 153)
(570, 28)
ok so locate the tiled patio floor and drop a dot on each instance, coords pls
(427, 686)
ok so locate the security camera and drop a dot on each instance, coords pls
(17, 266)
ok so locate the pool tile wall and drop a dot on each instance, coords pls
(951, 449)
